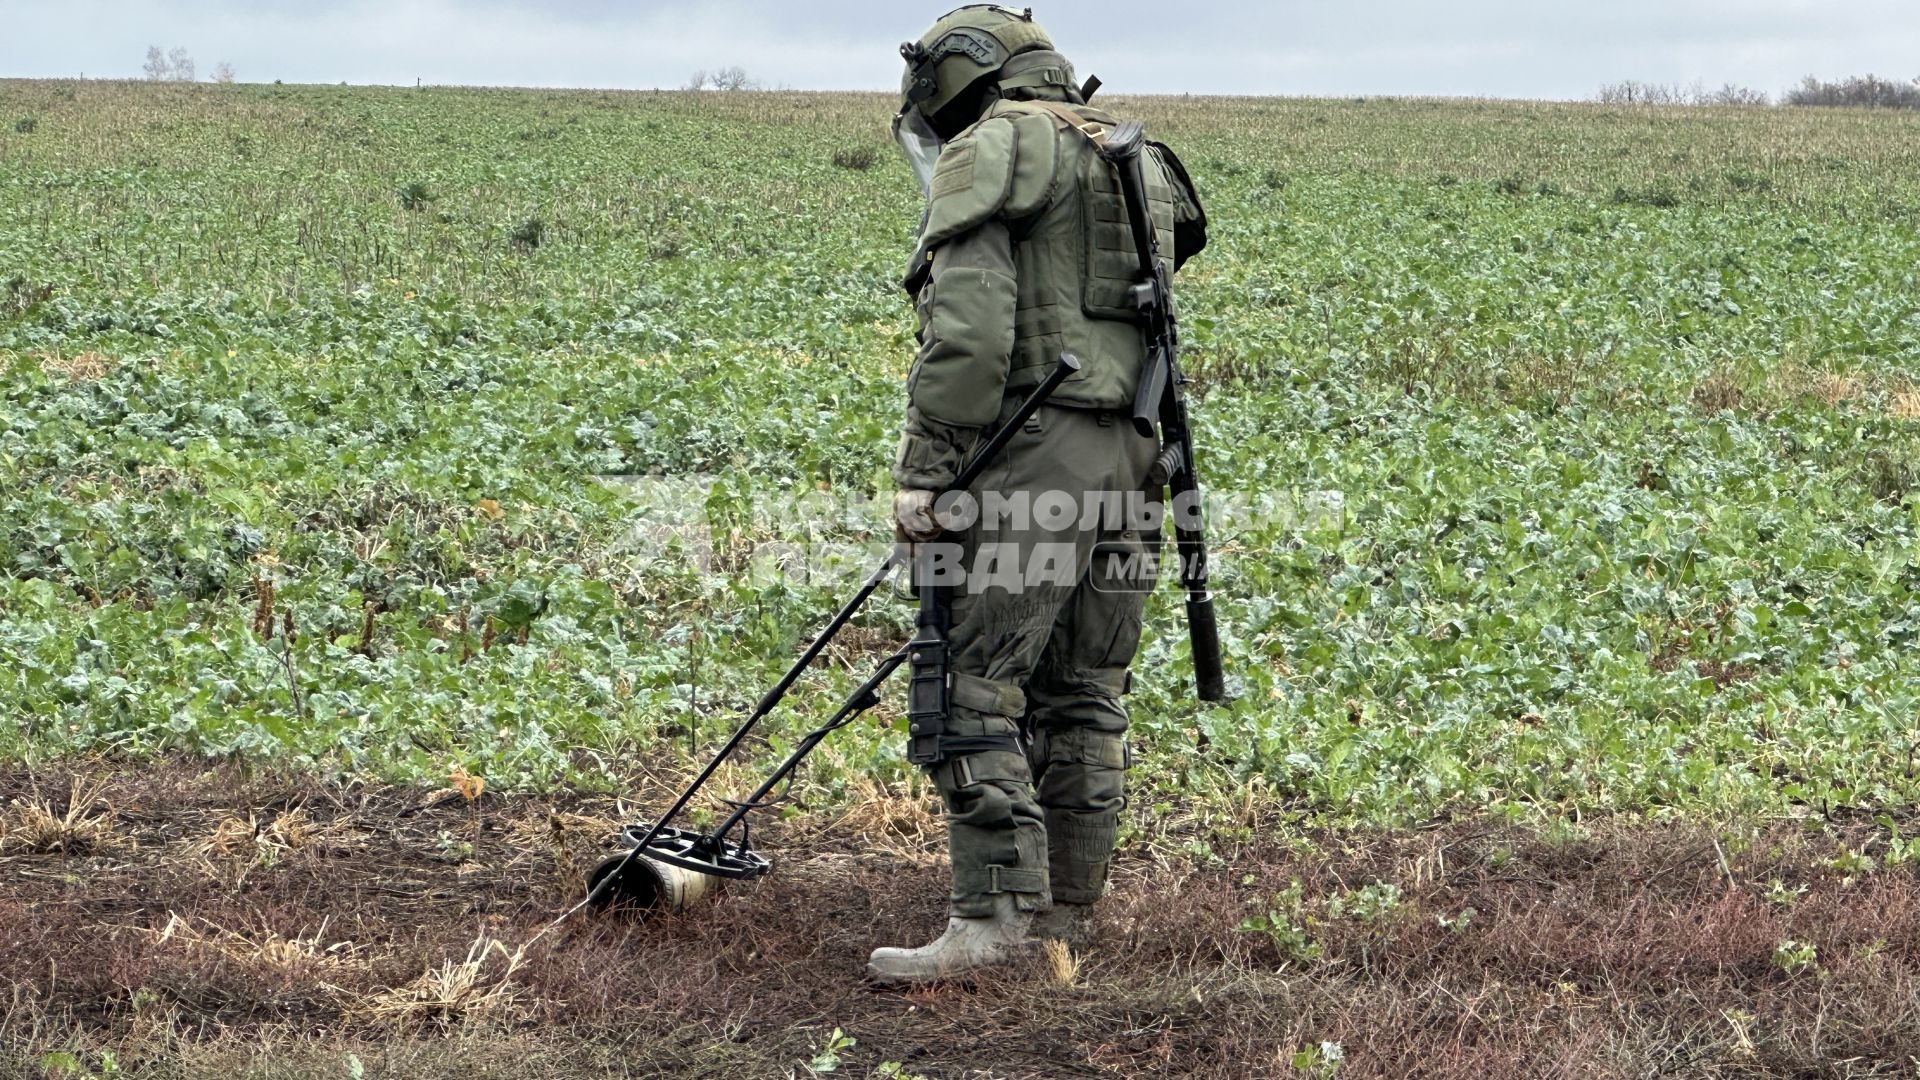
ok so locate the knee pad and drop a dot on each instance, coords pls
(981, 789)
(1079, 768)
(994, 838)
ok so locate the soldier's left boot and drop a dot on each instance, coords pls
(967, 945)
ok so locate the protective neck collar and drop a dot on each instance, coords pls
(1040, 73)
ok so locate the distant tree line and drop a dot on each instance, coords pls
(1633, 92)
(1861, 91)
(176, 65)
(727, 78)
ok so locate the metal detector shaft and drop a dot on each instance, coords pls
(862, 699)
(773, 696)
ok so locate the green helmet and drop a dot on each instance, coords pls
(965, 46)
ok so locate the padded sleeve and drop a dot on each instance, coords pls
(966, 345)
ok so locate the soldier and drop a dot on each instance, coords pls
(1025, 253)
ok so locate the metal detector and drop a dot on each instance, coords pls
(668, 867)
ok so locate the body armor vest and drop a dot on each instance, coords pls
(1035, 166)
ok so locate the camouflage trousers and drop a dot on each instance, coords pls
(1040, 653)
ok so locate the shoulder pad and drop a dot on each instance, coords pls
(1003, 166)
(970, 181)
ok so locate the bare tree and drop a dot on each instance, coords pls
(223, 72)
(1634, 92)
(156, 67)
(733, 79)
(699, 80)
(1731, 94)
(180, 65)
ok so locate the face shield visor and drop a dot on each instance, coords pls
(919, 143)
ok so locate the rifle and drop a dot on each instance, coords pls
(1161, 401)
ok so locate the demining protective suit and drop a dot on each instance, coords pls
(1025, 253)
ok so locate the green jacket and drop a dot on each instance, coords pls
(1025, 254)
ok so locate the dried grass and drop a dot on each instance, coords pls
(1719, 392)
(906, 824)
(34, 827)
(288, 959)
(1063, 968)
(1631, 950)
(1793, 382)
(80, 367)
(1904, 403)
(454, 992)
(558, 829)
(236, 843)
(1832, 388)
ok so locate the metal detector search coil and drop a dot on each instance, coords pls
(699, 852)
(671, 870)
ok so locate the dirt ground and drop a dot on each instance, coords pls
(186, 921)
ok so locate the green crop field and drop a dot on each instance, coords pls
(1568, 459)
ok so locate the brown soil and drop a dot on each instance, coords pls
(210, 922)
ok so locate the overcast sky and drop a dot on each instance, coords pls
(1503, 48)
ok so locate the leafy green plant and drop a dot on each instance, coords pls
(826, 1059)
(65, 1065)
(1852, 864)
(1780, 894)
(1284, 925)
(1557, 582)
(1319, 1062)
(1368, 904)
(1657, 196)
(529, 233)
(416, 195)
(1794, 957)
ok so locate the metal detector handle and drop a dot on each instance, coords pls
(996, 440)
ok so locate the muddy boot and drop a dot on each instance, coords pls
(967, 944)
(1064, 921)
